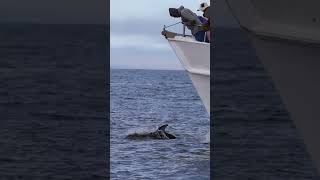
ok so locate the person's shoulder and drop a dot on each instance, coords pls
(206, 13)
(185, 10)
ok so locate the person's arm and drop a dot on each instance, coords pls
(188, 17)
(207, 13)
(206, 26)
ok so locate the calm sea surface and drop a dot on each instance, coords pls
(141, 100)
(53, 109)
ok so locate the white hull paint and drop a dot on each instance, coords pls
(286, 35)
(195, 58)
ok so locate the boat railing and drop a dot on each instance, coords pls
(169, 34)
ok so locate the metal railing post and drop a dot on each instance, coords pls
(205, 36)
(184, 30)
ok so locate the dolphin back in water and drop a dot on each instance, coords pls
(160, 133)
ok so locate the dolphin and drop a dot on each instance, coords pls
(160, 133)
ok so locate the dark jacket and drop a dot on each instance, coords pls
(190, 19)
(206, 14)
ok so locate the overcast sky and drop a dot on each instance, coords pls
(136, 40)
(135, 32)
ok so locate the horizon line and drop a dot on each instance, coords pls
(124, 68)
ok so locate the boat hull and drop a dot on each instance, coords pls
(195, 58)
(288, 45)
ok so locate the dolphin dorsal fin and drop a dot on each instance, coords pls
(163, 127)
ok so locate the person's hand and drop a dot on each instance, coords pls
(192, 23)
(206, 26)
(163, 33)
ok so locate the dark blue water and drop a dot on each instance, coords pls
(254, 137)
(141, 100)
(53, 109)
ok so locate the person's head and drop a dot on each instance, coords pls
(203, 7)
(180, 8)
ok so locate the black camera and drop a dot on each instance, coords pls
(174, 12)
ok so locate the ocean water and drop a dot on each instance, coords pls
(141, 100)
(254, 137)
(53, 108)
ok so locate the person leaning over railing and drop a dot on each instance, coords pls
(204, 22)
(191, 20)
(205, 8)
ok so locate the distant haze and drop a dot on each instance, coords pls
(55, 11)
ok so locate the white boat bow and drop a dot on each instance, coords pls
(195, 58)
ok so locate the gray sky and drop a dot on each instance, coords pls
(135, 27)
(136, 40)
